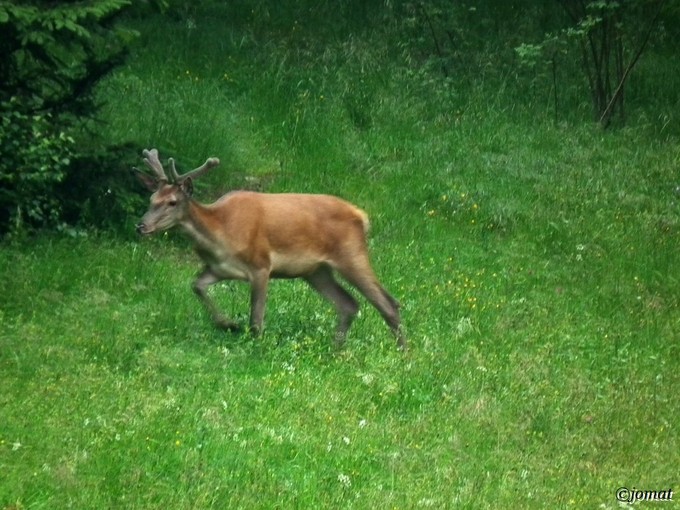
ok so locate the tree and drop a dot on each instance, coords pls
(52, 54)
(611, 36)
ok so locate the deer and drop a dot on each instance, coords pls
(254, 236)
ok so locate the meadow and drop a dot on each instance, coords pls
(536, 262)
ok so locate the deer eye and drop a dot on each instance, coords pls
(172, 203)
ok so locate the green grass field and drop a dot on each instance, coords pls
(537, 266)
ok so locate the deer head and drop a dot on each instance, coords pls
(170, 196)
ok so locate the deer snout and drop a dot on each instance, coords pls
(142, 229)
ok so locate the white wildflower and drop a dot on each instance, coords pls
(344, 480)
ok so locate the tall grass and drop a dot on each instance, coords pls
(537, 267)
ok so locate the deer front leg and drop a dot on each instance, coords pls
(200, 286)
(258, 298)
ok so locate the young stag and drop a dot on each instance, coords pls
(257, 236)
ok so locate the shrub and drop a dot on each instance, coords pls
(51, 57)
(35, 159)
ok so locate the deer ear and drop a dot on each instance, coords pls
(151, 183)
(187, 186)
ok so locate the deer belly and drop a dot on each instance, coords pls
(285, 265)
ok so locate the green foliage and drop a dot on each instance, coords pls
(455, 37)
(299, 68)
(609, 37)
(536, 264)
(51, 57)
(535, 348)
(99, 191)
(35, 159)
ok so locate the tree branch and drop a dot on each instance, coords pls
(606, 115)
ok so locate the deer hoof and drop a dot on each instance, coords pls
(227, 325)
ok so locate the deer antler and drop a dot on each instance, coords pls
(154, 163)
(151, 160)
(209, 164)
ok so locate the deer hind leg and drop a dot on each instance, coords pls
(200, 287)
(360, 274)
(324, 283)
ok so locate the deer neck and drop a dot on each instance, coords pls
(197, 225)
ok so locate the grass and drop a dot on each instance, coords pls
(537, 266)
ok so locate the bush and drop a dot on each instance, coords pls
(100, 191)
(51, 57)
(36, 156)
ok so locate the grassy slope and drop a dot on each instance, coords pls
(537, 267)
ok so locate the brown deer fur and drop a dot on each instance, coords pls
(257, 236)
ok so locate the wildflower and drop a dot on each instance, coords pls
(580, 248)
(344, 480)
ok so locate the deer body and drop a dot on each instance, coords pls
(257, 236)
